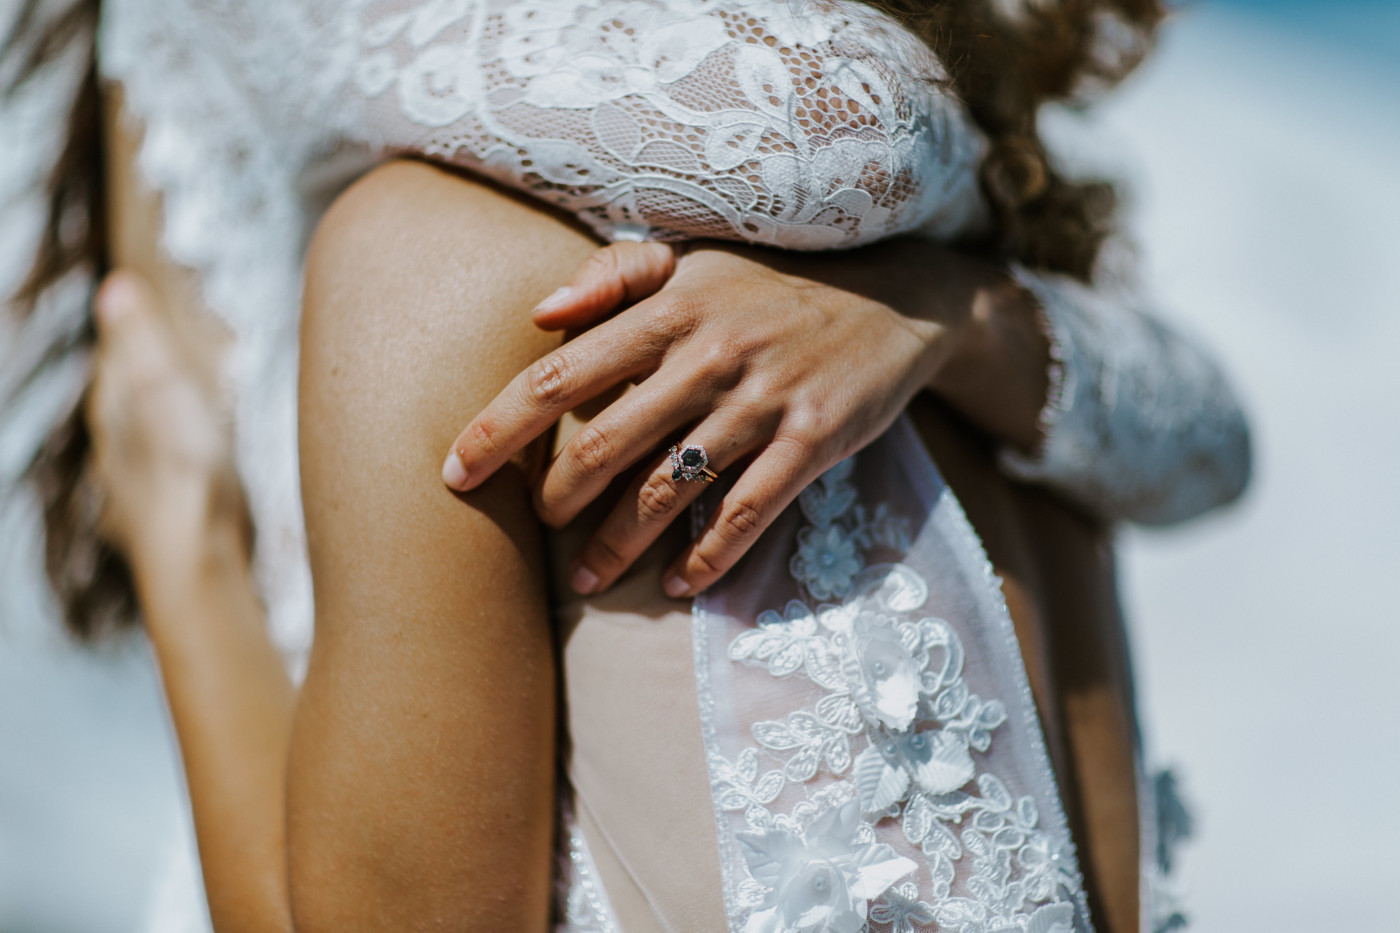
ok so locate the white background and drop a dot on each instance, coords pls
(1263, 140)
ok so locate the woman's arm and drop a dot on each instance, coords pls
(175, 509)
(1141, 424)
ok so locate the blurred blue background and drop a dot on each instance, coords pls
(1262, 141)
(1266, 137)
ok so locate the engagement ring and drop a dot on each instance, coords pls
(691, 463)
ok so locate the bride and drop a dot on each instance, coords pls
(869, 754)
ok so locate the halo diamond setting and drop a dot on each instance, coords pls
(690, 463)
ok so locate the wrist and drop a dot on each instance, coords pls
(197, 528)
(997, 370)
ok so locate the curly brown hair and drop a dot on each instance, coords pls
(1005, 58)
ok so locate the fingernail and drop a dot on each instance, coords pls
(675, 587)
(554, 301)
(584, 581)
(453, 473)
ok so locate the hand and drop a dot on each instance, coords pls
(162, 445)
(758, 366)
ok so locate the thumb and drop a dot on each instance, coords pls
(125, 300)
(615, 276)
(132, 335)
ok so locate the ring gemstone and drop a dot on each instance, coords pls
(690, 463)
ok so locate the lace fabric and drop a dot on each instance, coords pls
(805, 126)
(1140, 424)
(580, 902)
(874, 751)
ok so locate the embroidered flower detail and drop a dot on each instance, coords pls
(789, 642)
(935, 761)
(1052, 918)
(822, 883)
(439, 86)
(894, 677)
(902, 910)
(655, 48)
(826, 561)
(884, 671)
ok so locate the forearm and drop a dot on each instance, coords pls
(231, 702)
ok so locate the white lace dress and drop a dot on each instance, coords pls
(873, 756)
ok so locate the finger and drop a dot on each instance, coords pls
(614, 276)
(653, 501)
(767, 487)
(627, 431)
(132, 345)
(133, 352)
(123, 302)
(535, 399)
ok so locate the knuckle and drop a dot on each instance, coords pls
(548, 378)
(660, 324)
(591, 451)
(603, 263)
(684, 309)
(740, 519)
(719, 364)
(657, 498)
(485, 435)
(704, 565)
(655, 318)
(807, 426)
(759, 390)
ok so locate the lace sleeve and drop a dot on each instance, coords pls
(1141, 425)
(809, 126)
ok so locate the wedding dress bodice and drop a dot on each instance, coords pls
(811, 125)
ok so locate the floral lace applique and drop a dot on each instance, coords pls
(899, 729)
